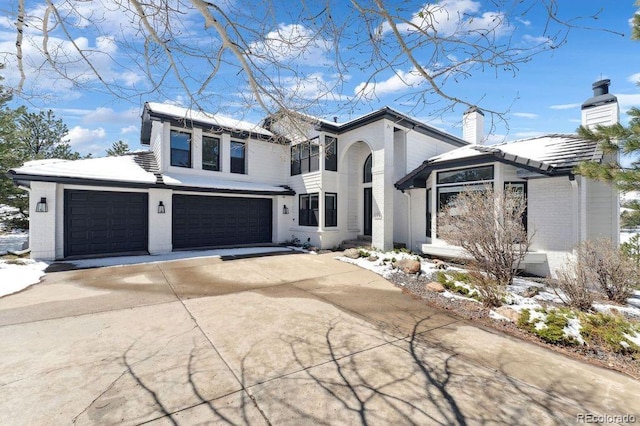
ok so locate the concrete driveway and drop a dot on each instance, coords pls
(293, 339)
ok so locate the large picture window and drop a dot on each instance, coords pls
(520, 187)
(330, 209)
(210, 153)
(331, 153)
(305, 157)
(238, 157)
(308, 214)
(180, 149)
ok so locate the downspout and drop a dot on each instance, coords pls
(410, 236)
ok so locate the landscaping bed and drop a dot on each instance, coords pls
(608, 335)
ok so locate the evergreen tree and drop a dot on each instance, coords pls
(118, 148)
(616, 139)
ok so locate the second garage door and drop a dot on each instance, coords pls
(200, 221)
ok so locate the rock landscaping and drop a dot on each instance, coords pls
(608, 334)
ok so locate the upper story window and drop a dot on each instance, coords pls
(305, 157)
(367, 175)
(180, 149)
(238, 157)
(210, 153)
(331, 153)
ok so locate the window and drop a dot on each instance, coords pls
(331, 153)
(466, 175)
(367, 170)
(238, 157)
(308, 214)
(330, 209)
(305, 158)
(520, 187)
(210, 153)
(429, 212)
(180, 149)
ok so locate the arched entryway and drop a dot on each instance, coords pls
(359, 187)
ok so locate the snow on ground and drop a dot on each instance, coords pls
(177, 255)
(625, 236)
(514, 298)
(19, 275)
(13, 241)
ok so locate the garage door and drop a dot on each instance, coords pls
(200, 221)
(100, 222)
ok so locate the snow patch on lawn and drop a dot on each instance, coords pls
(572, 330)
(17, 276)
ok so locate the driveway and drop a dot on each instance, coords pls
(292, 339)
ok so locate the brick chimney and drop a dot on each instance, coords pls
(602, 108)
(473, 125)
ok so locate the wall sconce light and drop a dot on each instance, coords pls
(41, 207)
(161, 209)
(285, 209)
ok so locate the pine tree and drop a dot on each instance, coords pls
(118, 148)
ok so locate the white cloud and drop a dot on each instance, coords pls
(109, 115)
(292, 43)
(399, 82)
(634, 78)
(564, 106)
(627, 101)
(524, 22)
(455, 17)
(128, 129)
(530, 40)
(82, 135)
(527, 115)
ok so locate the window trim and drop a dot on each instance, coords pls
(308, 216)
(172, 149)
(331, 153)
(305, 157)
(217, 165)
(368, 164)
(327, 216)
(244, 157)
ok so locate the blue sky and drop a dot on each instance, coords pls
(542, 96)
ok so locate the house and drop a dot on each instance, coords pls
(210, 181)
(562, 209)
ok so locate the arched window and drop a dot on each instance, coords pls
(367, 170)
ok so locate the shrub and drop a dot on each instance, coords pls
(549, 326)
(488, 226)
(573, 285)
(610, 331)
(631, 249)
(364, 253)
(449, 279)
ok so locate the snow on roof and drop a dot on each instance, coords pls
(121, 168)
(206, 118)
(215, 182)
(555, 150)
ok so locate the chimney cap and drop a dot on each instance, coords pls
(601, 94)
(473, 108)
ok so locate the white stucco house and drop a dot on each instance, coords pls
(210, 181)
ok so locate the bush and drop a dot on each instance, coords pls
(549, 325)
(597, 266)
(610, 331)
(631, 249)
(488, 226)
(449, 280)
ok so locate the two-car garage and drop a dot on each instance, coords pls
(98, 223)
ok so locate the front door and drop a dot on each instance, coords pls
(368, 211)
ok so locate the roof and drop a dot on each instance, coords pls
(193, 118)
(135, 170)
(382, 113)
(554, 154)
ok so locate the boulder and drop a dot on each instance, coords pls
(508, 312)
(531, 291)
(435, 286)
(351, 253)
(408, 266)
(372, 258)
(439, 264)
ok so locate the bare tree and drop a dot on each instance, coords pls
(176, 48)
(489, 226)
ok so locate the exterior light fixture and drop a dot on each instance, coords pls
(41, 207)
(285, 209)
(161, 208)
